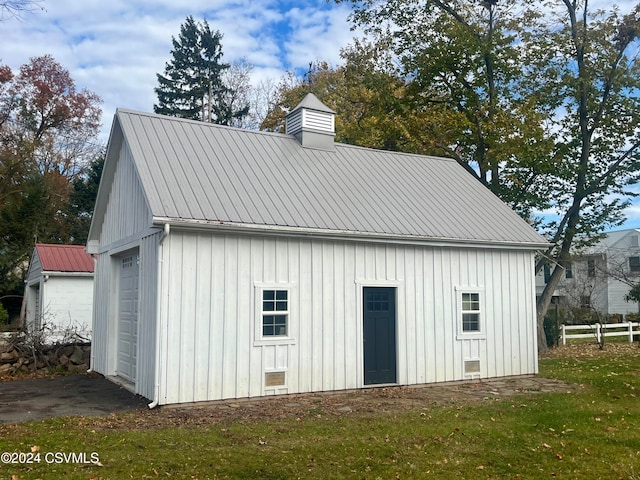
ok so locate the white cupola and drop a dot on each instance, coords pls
(312, 123)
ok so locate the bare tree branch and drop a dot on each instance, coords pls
(17, 8)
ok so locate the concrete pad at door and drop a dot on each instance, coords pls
(72, 395)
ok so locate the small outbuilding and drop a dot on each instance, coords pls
(59, 292)
(235, 263)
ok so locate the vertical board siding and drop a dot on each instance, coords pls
(101, 307)
(126, 218)
(147, 316)
(127, 210)
(210, 283)
(35, 269)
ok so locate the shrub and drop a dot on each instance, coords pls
(4, 315)
(553, 320)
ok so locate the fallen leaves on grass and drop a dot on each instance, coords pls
(592, 350)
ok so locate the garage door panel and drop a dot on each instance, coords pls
(128, 316)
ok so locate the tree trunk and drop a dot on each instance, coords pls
(564, 256)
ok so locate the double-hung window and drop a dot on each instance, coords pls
(275, 313)
(470, 310)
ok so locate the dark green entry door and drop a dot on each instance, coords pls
(379, 335)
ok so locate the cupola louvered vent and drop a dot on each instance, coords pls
(312, 123)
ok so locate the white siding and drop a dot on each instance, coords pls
(147, 316)
(102, 306)
(127, 220)
(209, 349)
(67, 304)
(127, 211)
(615, 298)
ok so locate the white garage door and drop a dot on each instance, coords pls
(128, 316)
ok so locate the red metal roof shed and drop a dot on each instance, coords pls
(64, 258)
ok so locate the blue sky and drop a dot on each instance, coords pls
(116, 47)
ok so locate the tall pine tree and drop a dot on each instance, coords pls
(192, 85)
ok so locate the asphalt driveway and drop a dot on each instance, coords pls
(72, 395)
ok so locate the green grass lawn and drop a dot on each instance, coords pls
(591, 433)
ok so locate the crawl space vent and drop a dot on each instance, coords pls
(472, 367)
(274, 379)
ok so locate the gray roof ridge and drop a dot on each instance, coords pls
(199, 122)
(276, 134)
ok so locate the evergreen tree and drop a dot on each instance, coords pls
(82, 199)
(192, 85)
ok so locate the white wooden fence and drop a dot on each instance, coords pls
(597, 331)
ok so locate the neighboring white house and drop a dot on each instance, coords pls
(235, 263)
(599, 277)
(59, 291)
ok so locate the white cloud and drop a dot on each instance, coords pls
(115, 48)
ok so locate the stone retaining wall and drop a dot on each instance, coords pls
(22, 359)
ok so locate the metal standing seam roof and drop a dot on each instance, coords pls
(64, 258)
(195, 171)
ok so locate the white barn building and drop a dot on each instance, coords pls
(235, 263)
(59, 292)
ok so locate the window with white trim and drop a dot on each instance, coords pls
(471, 312)
(275, 312)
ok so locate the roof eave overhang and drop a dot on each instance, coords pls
(60, 273)
(278, 230)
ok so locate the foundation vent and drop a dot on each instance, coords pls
(472, 368)
(274, 379)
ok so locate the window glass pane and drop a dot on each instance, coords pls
(280, 324)
(470, 301)
(591, 268)
(470, 322)
(267, 306)
(274, 325)
(568, 273)
(268, 294)
(274, 301)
